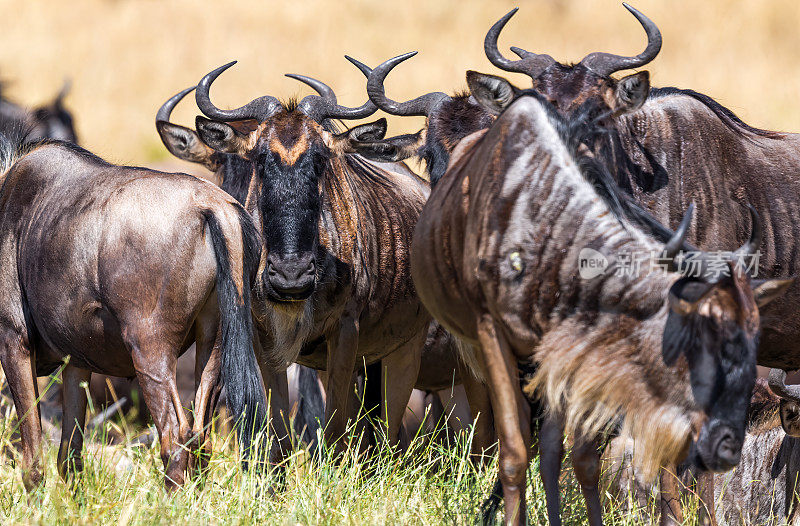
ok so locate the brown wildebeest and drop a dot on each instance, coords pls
(336, 231)
(440, 365)
(495, 257)
(679, 146)
(121, 269)
(667, 147)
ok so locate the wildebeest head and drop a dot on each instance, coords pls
(713, 326)
(54, 121)
(587, 85)
(294, 149)
(790, 401)
(448, 120)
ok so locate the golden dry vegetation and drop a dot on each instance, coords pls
(126, 57)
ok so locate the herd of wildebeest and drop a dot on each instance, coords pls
(318, 246)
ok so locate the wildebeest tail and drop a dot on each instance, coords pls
(240, 373)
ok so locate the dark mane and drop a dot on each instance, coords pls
(730, 119)
(290, 104)
(457, 118)
(583, 128)
(236, 174)
(362, 170)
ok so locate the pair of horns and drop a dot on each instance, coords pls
(318, 107)
(678, 242)
(531, 64)
(603, 64)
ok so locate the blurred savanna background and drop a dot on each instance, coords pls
(126, 57)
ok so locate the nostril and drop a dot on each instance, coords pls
(729, 450)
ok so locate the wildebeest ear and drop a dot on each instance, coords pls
(346, 141)
(393, 149)
(766, 290)
(185, 144)
(220, 136)
(372, 131)
(631, 92)
(790, 417)
(492, 92)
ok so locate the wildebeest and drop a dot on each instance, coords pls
(666, 147)
(48, 121)
(763, 487)
(336, 231)
(121, 269)
(495, 261)
(440, 365)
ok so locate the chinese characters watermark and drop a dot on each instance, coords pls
(706, 265)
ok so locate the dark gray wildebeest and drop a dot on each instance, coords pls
(121, 269)
(336, 231)
(675, 147)
(233, 173)
(515, 290)
(48, 121)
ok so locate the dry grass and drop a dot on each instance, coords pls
(126, 57)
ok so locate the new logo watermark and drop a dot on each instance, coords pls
(591, 263)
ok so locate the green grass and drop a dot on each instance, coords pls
(430, 483)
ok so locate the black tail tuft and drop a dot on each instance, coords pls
(240, 371)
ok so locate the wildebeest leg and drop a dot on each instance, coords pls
(74, 411)
(155, 363)
(18, 362)
(276, 384)
(481, 408)
(586, 463)
(340, 366)
(551, 453)
(208, 360)
(671, 512)
(401, 369)
(511, 418)
(705, 489)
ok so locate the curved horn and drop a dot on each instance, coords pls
(325, 91)
(324, 106)
(421, 106)
(752, 244)
(531, 64)
(605, 64)
(166, 109)
(258, 109)
(363, 68)
(777, 384)
(676, 242)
